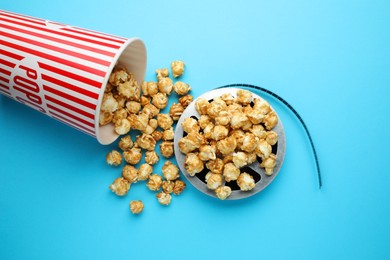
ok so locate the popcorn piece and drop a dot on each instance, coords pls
(227, 145)
(208, 131)
(146, 142)
(201, 105)
(157, 135)
(119, 114)
(219, 132)
(105, 118)
(166, 149)
(114, 158)
(168, 186)
(269, 164)
(118, 75)
(197, 138)
(234, 107)
(164, 198)
(244, 96)
(207, 152)
(122, 126)
(185, 100)
(133, 107)
(149, 88)
(151, 110)
(251, 157)
(144, 171)
(154, 182)
(121, 100)
(240, 159)
(130, 173)
(130, 90)
(120, 186)
(168, 134)
(239, 135)
(108, 88)
(133, 156)
(215, 166)
(136, 206)
(238, 120)
(270, 120)
(181, 88)
(261, 105)
(223, 118)
(216, 106)
(213, 180)
(165, 85)
(164, 121)
(263, 149)
(186, 145)
(203, 121)
(139, 122)
(144, 100)
(193, 164)
(162, 72)
(245, 182)
(272, 137)
(230, 172)
(228, 98)
(258, 130)
(223, 192)
(249, 143)
(189, 125)
(160, 100)
(179, 187)
(177, 68)
(151, 157)
(109, 103)
(175, 111)
(255, 116)
(170, 171)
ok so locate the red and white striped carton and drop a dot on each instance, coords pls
(62, 70)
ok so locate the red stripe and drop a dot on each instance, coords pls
(4, 79)
(18, 16)
(70, 107)
(69, 123)
(3, 86)
(43, 36)
(5, 92)
(71, 75)
(90, 34)
(70, 97)
(70, 86)
(56, 49)
(62, 33)
(11, 55)
(6, 72)
(7, 63)
(54, 58)
(100, 33)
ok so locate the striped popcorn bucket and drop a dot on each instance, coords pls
(62, 70)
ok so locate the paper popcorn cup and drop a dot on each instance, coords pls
(62, 70)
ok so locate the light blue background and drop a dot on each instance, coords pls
(329, 59)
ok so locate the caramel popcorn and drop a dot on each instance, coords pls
(149, 88)
(213, 180)
(144, 100)
(133, 107)
(178, 187)
(114, 158)
(118, 75)
(121, 100)
(151, 157)
(164, 198)
(227, 145)
(122, 126)
(255, 116)
(223, 118)
(258, 130)
(166, 149)
(204, 120)
(175, 111)
(207, 152)
(249, 143)
(130, 173)
(240, 159)
(181, 88)
(193, 164)
(269, 164)
(160, 100)
(230, 172)
(223, 192)
(189, 125)
(245, 182)
(120, 186)
(151, 110)
(157, 135)
(244, 96)
(201, 105)
(146, 142)
(165, 85)
(105, 118)
(215, 166)
(238, 120)
(216, 106)
(219, 132)
(170, 171)
(133, 156)
(263, 149)
(251, 157)
(271, 137)
(164, 121)
(168, 134)
(136, 206)
(228, 98)
(109, 103)
(270, 120)
(177, 68)
(130, 90)
(144, 171)
(168, 186)
(186, 145)
(261, 105)
(154, 182)
(185, 100)
(139, 122)
(162, 72)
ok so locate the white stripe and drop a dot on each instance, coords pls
(70, 102)
(70, 112)
(66, 32)
(62, 121)
(7, 58)
(70, 92)
(57, 65)
(60, 45)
